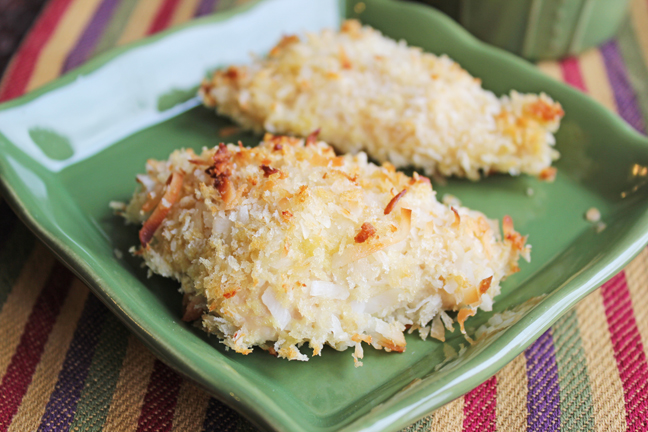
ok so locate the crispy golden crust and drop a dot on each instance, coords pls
(287, 243)
(397, 103)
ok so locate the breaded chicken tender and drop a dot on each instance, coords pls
(286, 244)
(397, 103)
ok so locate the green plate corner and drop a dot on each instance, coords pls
(69, 148)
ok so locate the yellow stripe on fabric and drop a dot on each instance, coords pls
(512, 388)
(140, 21)
(639, 14)
(21, 300)
(637, 279)
(448, 418)
(551, 68)
(45, 377)
(596, 78)
(131, 388)
(184, 11)
(190, 409)
(607, 390)
(69, 29)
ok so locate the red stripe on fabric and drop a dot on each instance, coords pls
(163, 17)
(22, 66)
(160, 400)
(572, 73)
(628, 351)
(479, 408)
(32, 343)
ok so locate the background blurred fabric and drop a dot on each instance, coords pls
(16, 16)
(66, 363)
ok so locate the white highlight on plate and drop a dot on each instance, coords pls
(136, 85)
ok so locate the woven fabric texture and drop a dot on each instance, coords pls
(67, 364)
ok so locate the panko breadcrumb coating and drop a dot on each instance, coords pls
(399, 104)
(286, 244)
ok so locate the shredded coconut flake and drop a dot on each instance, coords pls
(328, 290)
(280, 313)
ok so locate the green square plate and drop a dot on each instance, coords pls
(73, 146)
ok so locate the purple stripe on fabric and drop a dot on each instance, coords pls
(206, 7)
(62, 404)
(624, 94)
(220, 418)
(86, 44)
(543, 399)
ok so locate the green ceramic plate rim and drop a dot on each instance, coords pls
(411, 404)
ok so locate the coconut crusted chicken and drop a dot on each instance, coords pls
(287, 243)
(397, 103)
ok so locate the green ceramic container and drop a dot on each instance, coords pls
(538, 29)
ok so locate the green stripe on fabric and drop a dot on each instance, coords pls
(116, 26)
(100, 384)
(422, 425)
(223, 5)
(576, 406)
(635, 64)
(12, 258)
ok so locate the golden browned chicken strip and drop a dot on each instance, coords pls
(287, 243)
(397, 103)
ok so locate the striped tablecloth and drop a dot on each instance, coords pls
(67, 364)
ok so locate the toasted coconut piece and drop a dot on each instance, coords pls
(398, 103)
(548, 174)
(308, 254)
(485, 284)
(366, 232)
(392, 203)
(162, 208)
(194, 307)
(359, 251)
